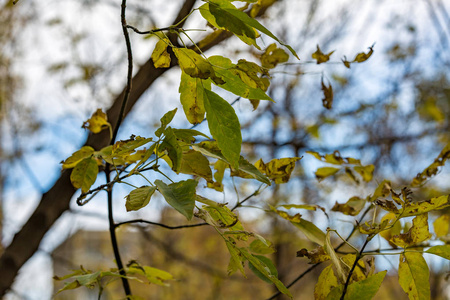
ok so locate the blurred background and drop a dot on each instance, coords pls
(61, 60)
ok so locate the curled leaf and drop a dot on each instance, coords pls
(97, 122)
(328, 95)
(320, 57)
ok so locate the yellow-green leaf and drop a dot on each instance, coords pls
(311, 231)
(173, 148)
(441, 250)
(413, 276)
(325, 172)
(77, 156)
(326, 282)
(194, 163)
(192, 97)
(97, 122)
(362, 290)
(258, 246)
(188, 135)
(252, 171)
(278, 170)
(442, 226)
(139, 198)
(315, 256)
(383, 190)
(160, 56)
(125, 147)
(224, 217)
(84, 174)
(165, 120)
(352, 207)
(194, 64)
(366, 172)
(362, 57)
(268, 264)
(153, 275)
(416, 234)
(421, 207)
(224, 127)
(180, 195)
(337, 264)
(320, 57)
(272, 56)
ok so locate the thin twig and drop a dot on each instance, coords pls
(153, 31)
(160, 224)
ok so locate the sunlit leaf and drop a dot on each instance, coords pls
(251, 170)
(442, 226)
(326, 282)
(315, 256)
(224, 126)
(417, 233)
(413, 275)
(441, 250)
(78, 156)
(84, 174)
(395, 230)
(195, 65)
(383, 190)
(220, 167)
(272, 56)
(180, 195)
(139, 198)
(278, 170)
(160, 56)
(352, 207)
(153, 275)
(327, 101)
(320, 57)
(325, 172)
(421, 207)
(97, 122)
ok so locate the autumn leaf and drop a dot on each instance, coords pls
(320, 57)
(195, 65)
(442, 226)
(192, 97)
(417, 233)
(160, 56)
(352, 207)
(413, 275)
(180, 195)
(440, 250)
(326, 282)
(315, 256)
(76, 157)
(324, 172)
(139, 198)
(272, 56)
(362, 57)
(327, 101)
(97, 122)
(84, 174)
(278, 170)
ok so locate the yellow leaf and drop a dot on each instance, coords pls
(321, 57)
(442, 226)
(346, 62)
(77, 156)
(352, 207)
(414, 209)
(278, 170)
(327, 101)
(315, 256)
(362, 57)
(383, 190)
(432, 169)
(273, 56)
(195, 65)
(295, 218)
(160, 56)
(97, 122)
(84, 174)
(440, 250)
(326, 282)
(325, 172)
(395, 230)
(366, 172)
(192, 97)
(413, 276)
(416, 234)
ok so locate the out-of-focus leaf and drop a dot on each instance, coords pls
(395, 230)
(325, 172)
(180, 195)
(311, 231)
(78, 156)
(224, 127)
(352, 207)
(278, 170)
(362, 57)
(432, 169)
(421, 207)
(366, 172)
(383, 190)
(268, 263)
(315, 256)
(220, 167)
(272, 56)
(97, 122)
(413, 275)
(326, 282)
(160, 56)
(139, 198)
(441, 250)
(84, 174)
(442, 226)
(327, 101)
(257, 246)
(320, 57)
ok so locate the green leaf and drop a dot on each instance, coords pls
(326, 282)
(188, 135)
(123, 148)
(321, 57)
(311, 231)
(441, 250)
(236, 259)
(165, 120)
(160, 56)
(139, 198)
(362, 290)
(194, 163)
(239, 22)
(233, 82)
(325, 172)
(224, 127)
(251, 170)
(192, 97)
(413, 275)
(84, 174)
(153, 275)
(78, 156)
(268, 263)
(173, 148)
(180, 195)
(258, 246)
